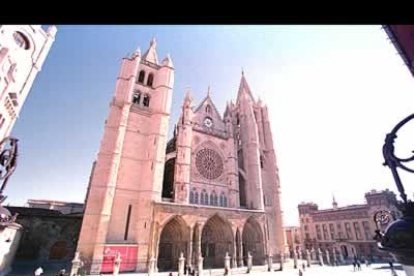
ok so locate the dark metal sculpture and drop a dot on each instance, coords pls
(398, 238)
(8, 163)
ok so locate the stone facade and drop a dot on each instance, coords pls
(349, 230)
(23, 50)
(293, 239)
(212, 189)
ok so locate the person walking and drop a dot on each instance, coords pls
(354, 264)
(359, 265)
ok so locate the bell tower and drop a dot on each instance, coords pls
(128, 174)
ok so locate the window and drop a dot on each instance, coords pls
(202, 197)
(215, 199)
(348, 230)
(141, 76)
(196, 197)
(21, 40)
(357, 231)
(332, 231)
(127, 222)
(261, 161)
(191, 197)
(136, 98)
(318, 232)
(325, 232)
(307, 237)
(306, 220)
(212, 199)
(225, 201)
(150, 79)
(146, 100)
(306, 228)
(368, 234)
(206, 199)
(339, 228)
(208, 109)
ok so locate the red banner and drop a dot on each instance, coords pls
(128, 253)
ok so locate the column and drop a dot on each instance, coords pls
(240, 253)
(190, 248)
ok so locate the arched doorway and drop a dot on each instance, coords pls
(216, 240)
(174, 239)
(58, 251)
(253, 241)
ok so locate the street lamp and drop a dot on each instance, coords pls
(398, 239)
(8, 163)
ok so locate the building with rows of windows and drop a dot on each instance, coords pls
(349, 230)
(212, 189)
(23, 50)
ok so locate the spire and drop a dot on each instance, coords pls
(167, 61)
(151, 54)
(137, 52)
(208, 91)
(227, 112)
(334, 203)
(244, 89)
(188, 96)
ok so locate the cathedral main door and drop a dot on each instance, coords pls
(216, 240)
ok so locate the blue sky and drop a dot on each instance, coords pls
(333, 93)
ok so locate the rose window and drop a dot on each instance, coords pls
(209, 163)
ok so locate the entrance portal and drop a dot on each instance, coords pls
(253, 241)
(216, 240)
(173, 241)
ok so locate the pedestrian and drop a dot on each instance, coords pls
(366, 262)
(170, 274)
(391, 265)
(62, 272)
(38, 271)
(303, 266)
(359, 265)
(300, 272)
(354, 264)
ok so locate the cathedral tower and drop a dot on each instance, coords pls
(128, 173)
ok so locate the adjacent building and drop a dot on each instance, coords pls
(348, 229)
(293, 239)
(23, 50)
(212, 189)
(61, 206)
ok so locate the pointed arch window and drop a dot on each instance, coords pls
(196, 197)
(225, 201)
(150, 79)
(141, 76)
(191, 197)
(222, 199)
(136, 98)
(215, 199)
(202, 197)
(208, 109)
(146, 100)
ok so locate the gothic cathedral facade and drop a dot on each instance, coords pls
(211, 190)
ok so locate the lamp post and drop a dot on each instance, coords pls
(8, 163)
(398, 239)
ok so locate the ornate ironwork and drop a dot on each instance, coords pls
(394, 162)
(398, 238)
(8, 163)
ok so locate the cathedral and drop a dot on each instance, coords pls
(211, 190)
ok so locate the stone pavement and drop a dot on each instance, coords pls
(346, 270)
